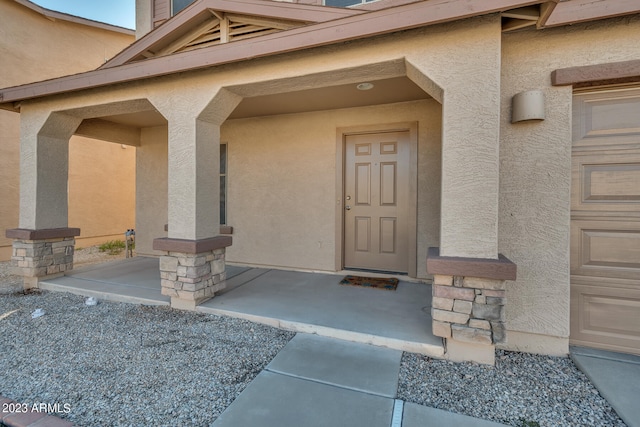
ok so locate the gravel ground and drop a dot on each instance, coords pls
(123, 364)
(521, 390)
(129, 365)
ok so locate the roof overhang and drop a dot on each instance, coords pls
(335, 29)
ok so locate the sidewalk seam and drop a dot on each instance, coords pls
(286, 374)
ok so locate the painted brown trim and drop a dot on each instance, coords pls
(42, 234)
(226, 229)
(498, 269)
(53, 15)
(572, 12)
(200, 10)
(191, 246)
(360, 26)
(597, 75)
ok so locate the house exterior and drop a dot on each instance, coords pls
(491, 146)
(38, 44)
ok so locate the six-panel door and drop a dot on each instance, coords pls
(376, 201)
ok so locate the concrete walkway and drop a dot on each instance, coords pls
(320, 381)
(617, 378)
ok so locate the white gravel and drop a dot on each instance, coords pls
(122, 364)
(130, 365)
(523, 390)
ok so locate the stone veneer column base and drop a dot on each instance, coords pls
(192, 271)
(191, 279)
(42, 254)
(467, 308)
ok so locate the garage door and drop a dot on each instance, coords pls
(605, 220)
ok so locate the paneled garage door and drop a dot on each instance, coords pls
(605, 220)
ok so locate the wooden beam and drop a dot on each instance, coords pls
(224, 30)
(531, 13)
(510, 24)
(571, 12)
(189, 37)
(546, 9)
(596, 75)
(271, 23)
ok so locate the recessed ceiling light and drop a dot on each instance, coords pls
(364, 86)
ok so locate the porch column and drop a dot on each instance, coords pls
(193, 269)
(44, 244)
(469, 274)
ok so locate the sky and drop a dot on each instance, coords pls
(116, 12)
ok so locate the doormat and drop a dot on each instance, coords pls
(389, 284)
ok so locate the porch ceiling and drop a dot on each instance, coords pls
(140, 119)
(384, 91)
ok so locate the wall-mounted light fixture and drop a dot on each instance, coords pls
(527, 105)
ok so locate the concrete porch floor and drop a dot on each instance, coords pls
(298, 301)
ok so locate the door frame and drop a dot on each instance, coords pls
(412, 215)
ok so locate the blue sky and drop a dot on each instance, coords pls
(116, 12)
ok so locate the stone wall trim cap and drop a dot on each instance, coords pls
(498, 269)
(42, 234)
(191, 246)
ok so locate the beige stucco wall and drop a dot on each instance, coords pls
(282, 183)
(151, 188)
(36, 48)
(470, 48)
(535, 172)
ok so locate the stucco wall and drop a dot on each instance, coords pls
(151, 188)
(102, 186)
(535, 172)
(451, 55)
(36, 48)
(282, 183)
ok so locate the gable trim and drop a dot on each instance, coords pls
(201, 10)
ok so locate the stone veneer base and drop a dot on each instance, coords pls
(468, 309)
(191, 279)
(36, 260)
(468, 299)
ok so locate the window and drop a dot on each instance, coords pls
(223, 184)
(178, 5)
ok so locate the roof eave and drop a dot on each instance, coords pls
(355, 27)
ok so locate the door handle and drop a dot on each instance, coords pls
(348, 207)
